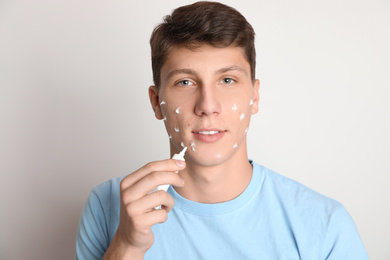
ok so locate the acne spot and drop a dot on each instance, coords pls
(192, 145)
(242, 116)
(235, 146)
(234, 107)
(177, 130)
(177, 111)
(162, 103)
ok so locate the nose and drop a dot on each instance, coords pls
(207, 102)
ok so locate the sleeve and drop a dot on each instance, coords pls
(343, 240)
(92, 235)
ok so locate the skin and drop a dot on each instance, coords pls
(205, 83)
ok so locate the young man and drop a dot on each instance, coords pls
(220, 205)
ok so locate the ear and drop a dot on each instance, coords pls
(155, 102)
(256, 97)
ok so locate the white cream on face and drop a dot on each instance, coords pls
(235, 146)
(177, 110)
(242, 116)
(251, 102)
(163, 103)
(192, 145)
(234, 107)
(177, 130)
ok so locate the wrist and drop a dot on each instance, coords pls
(120, 249)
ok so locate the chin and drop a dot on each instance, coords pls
(209, 159)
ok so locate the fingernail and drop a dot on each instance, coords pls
(180, 163)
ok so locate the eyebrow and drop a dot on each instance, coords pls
(180, 71)
(193, 72)
(230, 68)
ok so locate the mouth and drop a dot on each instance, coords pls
(209, 135)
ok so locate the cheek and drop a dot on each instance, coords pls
(173, 115)
(240, 114)
(240, 111)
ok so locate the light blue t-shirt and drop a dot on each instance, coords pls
(274, 218)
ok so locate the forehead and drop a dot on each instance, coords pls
(204, 59)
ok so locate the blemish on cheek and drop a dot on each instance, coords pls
(162, 103)
(235, 146)
(242, 116)
(234, 107)
(177, 130)
(177, 111)
(192, 145)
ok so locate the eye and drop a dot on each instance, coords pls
(227, 81)
(185, 83)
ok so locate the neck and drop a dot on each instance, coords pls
(218, 183)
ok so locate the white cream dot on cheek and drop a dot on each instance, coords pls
(242, 116)
(177, 110)
(177, 130)
(246, 130)
(234, 107)
(162, 103)
(219, 156)
(235, 146)
(251, 102)
(182, 144)
(192, 145)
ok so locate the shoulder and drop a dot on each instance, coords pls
(107, 189)
(103, 199)
(314, 218)
(296, 194)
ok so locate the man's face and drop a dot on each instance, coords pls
(206, 100)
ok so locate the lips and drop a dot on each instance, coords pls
(209, 135)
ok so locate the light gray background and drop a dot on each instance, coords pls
(74, 110)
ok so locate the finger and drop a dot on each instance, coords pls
(149, 183)
(143, 220)
(162, 198)
(156, 166)
(149, 202)
(154, 217)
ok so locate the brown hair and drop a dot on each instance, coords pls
(202, 22)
